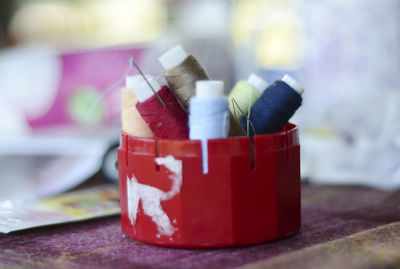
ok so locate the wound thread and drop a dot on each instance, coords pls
(166, 122)
(132, 123)
(272, 110)
(241, 98)
(181, 73)
(182, 79)
(208, 118)
(244, 94)
(209, 113)
(235, 128)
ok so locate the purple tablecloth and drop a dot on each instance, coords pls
(328, 213)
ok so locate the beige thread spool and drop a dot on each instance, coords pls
(181, 71)
(132, 122)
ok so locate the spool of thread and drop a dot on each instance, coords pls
(244, 94)
(167, 121)
(132, 123)
(274, 108)
(181, 73)
(209, 115)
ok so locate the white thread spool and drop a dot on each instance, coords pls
(209, 115)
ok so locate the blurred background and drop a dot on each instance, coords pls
(58, 57)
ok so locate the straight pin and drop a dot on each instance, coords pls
(148, 83)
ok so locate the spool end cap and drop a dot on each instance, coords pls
(293, 83)
(173, 57)
(209, 88)
(140, 87)
(257, 82)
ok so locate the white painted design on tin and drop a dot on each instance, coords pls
(151, 197)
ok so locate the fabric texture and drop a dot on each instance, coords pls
(332, 219)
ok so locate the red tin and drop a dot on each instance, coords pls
(251, 193)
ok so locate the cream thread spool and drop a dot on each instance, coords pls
(244, 94)
(132, 123)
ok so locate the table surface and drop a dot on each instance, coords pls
(350, 227)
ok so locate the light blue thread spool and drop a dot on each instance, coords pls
(209, 115)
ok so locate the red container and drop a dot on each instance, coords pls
(251, 193)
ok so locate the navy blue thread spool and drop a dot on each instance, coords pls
(274, 108)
